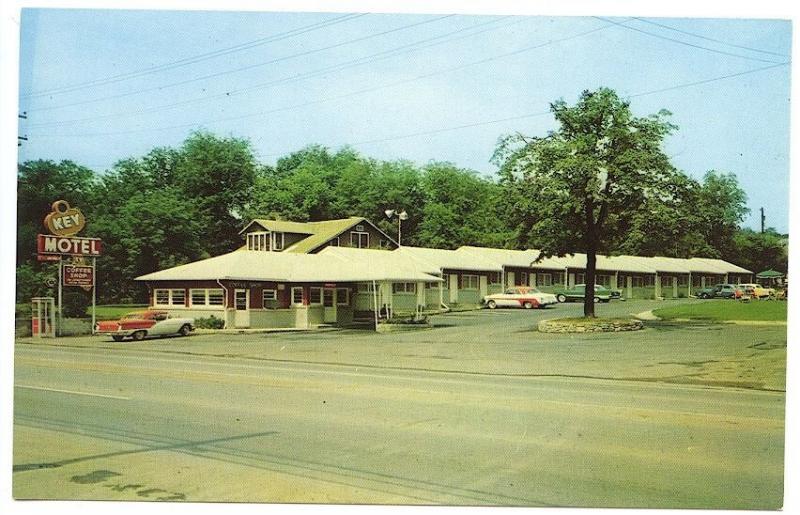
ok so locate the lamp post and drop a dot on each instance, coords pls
(401, 215)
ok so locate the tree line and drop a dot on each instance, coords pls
(176, 205)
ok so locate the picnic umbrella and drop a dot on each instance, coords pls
(770, 274)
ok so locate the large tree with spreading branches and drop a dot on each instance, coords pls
(578, 187)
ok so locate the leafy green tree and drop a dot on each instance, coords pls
(574, 189)
(150, 231)
(460, 209)
(721, 205)
(217, 176)
(760, 251)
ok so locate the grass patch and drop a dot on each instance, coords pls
(722, 310)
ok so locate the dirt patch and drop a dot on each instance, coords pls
(96, 476)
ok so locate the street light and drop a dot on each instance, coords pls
(401, 215)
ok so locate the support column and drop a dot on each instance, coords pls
(689, 288)
(453, 288)
(511, 279)
(675, 286)
(616, 280)
(702, 281)
(629, 285)
(657, 286)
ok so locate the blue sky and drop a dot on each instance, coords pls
(463, 73)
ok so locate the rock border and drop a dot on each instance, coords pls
(558, 325)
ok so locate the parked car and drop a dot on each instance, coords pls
(140, 324)
(577, 292)
(725, 291)
(519, 297)
(757, 291)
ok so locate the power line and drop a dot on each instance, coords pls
(680, 42)
(543, 113)
(386, 54)
(346, 95)
(194, 59)
(651, 22)
(249, 67)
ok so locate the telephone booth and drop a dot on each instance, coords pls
(43, 317)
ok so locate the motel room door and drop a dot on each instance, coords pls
(329, 305)
(242, 304)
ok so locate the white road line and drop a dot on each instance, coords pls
(73, 392)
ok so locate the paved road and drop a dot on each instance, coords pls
(133, 423)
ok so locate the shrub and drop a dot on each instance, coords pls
(75, 303)
(211, 322)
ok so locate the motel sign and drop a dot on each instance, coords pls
(73, 246)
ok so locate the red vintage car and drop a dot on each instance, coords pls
(141, 324)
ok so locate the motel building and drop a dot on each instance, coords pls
(335, 272)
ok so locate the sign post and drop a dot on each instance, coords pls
(64, 222)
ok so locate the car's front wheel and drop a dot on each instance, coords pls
(491, 304)
(561, 298)
(185, 330)
(527, 305)
(596, 300)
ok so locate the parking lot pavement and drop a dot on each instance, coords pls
(506, 342)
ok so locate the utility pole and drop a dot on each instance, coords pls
(762, 220)
(20, 139)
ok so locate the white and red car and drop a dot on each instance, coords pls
(141, 324)
(526, 297)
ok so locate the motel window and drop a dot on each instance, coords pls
(207, 297)
(315, 296)
(170, 297)
(216, 297)
(268, 298)
(360, 228)
(580, 278)
(637, 281)
(342, 296)
(364, 288)
(404, 287)
(432, 286)
(297, 295)
(258, 241)
(544, 279)
(523, 278)
(603, 280)
(494, 277)
(469, 282)
(446, 279)
(683, 280)
(359, 240)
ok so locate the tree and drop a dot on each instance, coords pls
(721, 206)
(575, 188)
(149, 231)
(760, 251)
(217, 176)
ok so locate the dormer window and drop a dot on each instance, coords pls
(258, 241)
(277, 241)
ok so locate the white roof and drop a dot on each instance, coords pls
(501, 257)
(716, 266)
(450, 259)
(384, 263)
(252, 265)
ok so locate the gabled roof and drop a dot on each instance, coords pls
(253, 265)
(450, 259)
(716, 266)
(319, 233)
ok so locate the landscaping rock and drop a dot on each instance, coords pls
(589, 326)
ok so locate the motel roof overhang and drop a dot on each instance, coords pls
(621, 263)
(249, 265)
(442, 259)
